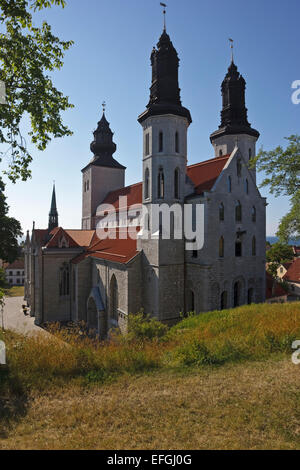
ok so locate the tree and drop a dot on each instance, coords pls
(27, 53)
(278, 253)
(10, 231)
(282, 167)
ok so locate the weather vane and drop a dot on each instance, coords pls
(103, 106)
(231, 47)
(164, 12)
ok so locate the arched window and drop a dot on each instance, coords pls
(146, 190)
(250, 295)
(229, 186)
(64, 280)
(246, 186)
(176, 142)
(160, 141)
(87, 185)
(147, 144)
(238, 248)
(236, 294)
(238, 211)
(253, 214)
(253, 246)
(161, 183)
(176, 183)
(221, 211)
(224, 300)
(239, 167)
(220, 153)
(114, 298)
(221, 247)
(250, 153)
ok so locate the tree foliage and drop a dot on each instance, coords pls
(10, 231)
(282, 169)
(278, 253)
(27, 54)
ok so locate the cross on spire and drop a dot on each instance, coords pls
(164, 13)
(231, 47)
(103, 106)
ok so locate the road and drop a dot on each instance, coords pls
(14, 318)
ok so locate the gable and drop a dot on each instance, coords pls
(230, 169)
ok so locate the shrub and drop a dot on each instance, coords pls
(143, 327)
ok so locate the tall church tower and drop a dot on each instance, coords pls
(102, 175)
(234, 129)
(165, 123)
(53, 214)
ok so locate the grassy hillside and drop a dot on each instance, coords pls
(218, 380)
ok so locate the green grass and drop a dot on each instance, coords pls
(216, 380)
(15, 291)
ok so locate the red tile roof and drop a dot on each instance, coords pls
(205, 174)
(54, 241)
(18, 264)
(81, 237)
(118, 249)
(133, 194)
(279, 291)
(293, 272)
(75, 238)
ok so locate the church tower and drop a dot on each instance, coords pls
(102, 175)
(165, 123)
(234, 129)
(53, 214)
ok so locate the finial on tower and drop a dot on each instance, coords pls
(164, 13)
(231, 47)
(103, 106)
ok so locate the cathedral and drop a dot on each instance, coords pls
(120, 262)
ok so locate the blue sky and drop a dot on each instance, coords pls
(110, 61)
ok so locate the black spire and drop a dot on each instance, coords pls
(53, 214)
(234, 112)
(103, 146)
(164, 91)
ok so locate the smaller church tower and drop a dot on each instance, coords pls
(102, 175)
(234, 129)
(53, 214)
